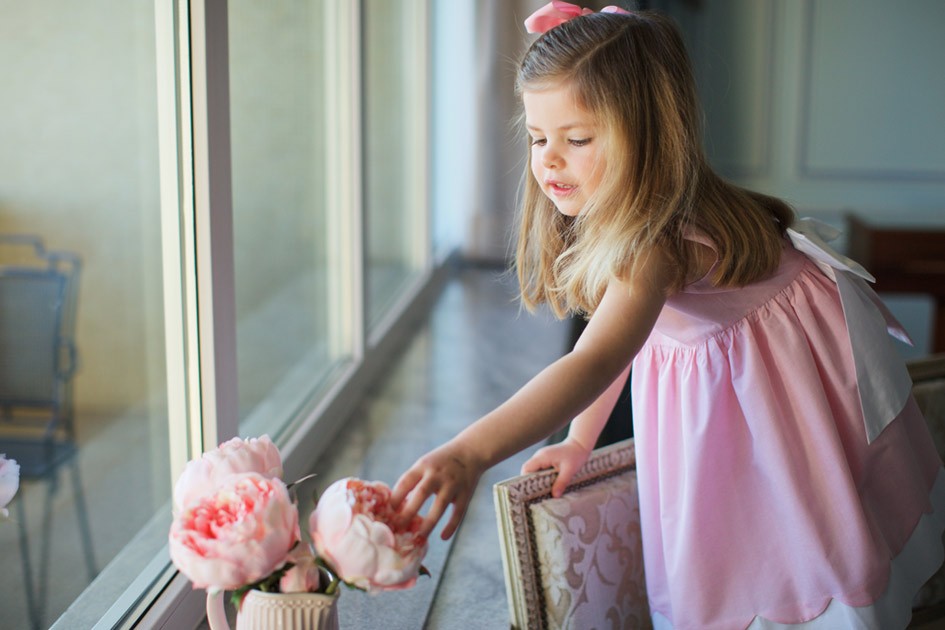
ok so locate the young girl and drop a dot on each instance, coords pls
(785, 474)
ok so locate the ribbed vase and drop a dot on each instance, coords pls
(288, 611)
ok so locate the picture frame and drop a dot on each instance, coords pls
(574, 561)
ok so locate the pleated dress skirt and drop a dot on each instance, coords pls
(765, 501)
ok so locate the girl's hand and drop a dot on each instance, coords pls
(446, 472)
(566, 457)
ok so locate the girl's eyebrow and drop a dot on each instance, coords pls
(562, 127)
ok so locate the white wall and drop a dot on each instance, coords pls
(833, 105)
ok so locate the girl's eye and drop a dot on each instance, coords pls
(579, 142)
(538, 142)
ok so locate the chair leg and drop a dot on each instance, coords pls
(31, 604)
(82, 516)
(52, 482)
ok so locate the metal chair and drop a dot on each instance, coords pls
(38, 359)
(38, 355)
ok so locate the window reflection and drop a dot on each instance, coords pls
(393, 90)
(78, 183)
(277, 102)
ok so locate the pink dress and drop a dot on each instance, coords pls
(786, 475)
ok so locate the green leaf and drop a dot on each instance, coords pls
(269, 584)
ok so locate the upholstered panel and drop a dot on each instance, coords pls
(576, 561)
(590, 556)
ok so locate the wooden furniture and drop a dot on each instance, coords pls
(904, 260)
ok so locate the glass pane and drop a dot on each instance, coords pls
(277, 102)
(453, 121)
(391, 140)
(83, 395)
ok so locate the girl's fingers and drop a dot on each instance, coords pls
(455, 519)
(538, 461)
(560, 485)
(413, 502)
(531, 465)
(436, 512)
(404, 485)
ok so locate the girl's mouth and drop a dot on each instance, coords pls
(560, 189)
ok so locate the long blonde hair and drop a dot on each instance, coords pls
(631, 72)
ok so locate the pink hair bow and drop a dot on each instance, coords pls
(555, 13)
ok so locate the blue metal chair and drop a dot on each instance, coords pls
(38, 359)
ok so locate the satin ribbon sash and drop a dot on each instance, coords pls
(882, 379)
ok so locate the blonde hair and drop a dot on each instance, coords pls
(631, 72)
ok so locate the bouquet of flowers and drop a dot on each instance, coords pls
(9, 483)
(236, 528)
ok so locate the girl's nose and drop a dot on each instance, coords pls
(550, 158)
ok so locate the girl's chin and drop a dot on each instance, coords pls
(566, 206)
(568, 209)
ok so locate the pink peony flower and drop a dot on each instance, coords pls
(304, 576)
(9, 483)
(236, 535)
(202, 477)
(353, 529)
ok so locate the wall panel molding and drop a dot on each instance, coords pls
(856, 120)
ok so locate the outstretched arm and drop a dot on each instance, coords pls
(561, 391)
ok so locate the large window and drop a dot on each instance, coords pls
(236, 192)
(280, 99)
(395, 79)
(79, 181)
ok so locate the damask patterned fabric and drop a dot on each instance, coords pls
(590, 556)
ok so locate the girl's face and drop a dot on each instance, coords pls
(566, 147)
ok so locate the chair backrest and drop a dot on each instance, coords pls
(30, 315)
(37, 306)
